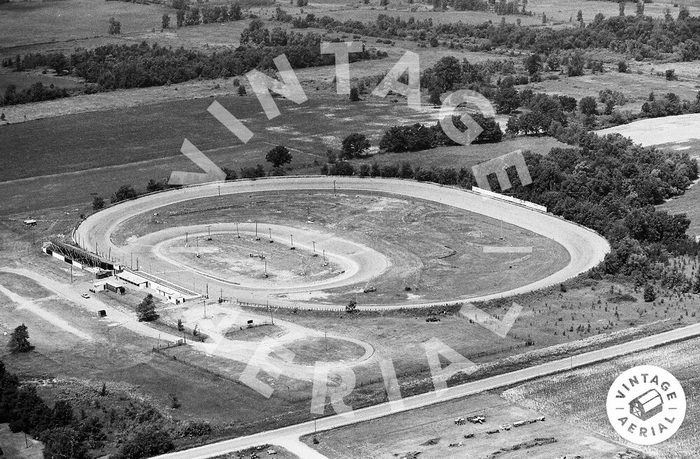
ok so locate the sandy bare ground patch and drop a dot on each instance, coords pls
(658, 131)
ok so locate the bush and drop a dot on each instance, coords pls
(146, 443)
(98, 203)
(123, 193)
(649, 294)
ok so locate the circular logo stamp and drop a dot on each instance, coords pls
(646, 405)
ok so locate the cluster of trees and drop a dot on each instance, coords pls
(141, 65)
(449, 73)
(611, 185)
(35, 93)
(462, 177)
(499, 7)
(545, 113)
(419, 137)
(641, 36)
(189, 15)
(64, 434)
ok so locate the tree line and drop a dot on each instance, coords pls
(35, 93)
(638, 35)
(115, 66)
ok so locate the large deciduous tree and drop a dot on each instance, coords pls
(279, 156)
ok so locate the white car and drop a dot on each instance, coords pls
(85, 295)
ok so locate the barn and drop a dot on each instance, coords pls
(647, 405)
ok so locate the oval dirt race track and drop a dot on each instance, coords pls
(586, 248)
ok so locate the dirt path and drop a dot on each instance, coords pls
(31, 306)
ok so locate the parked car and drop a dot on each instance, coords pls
(85, 295)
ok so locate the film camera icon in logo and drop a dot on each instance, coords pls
(646, 405)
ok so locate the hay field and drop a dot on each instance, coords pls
(578, 397)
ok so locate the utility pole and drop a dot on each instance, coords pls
(270, 232)
(137, 263)
(291, 238)
(256, 232)
(209, 232)
(207, 289)
(314, 244)
(333, 187)
(186, 237)
(265, 268)
(237, 233)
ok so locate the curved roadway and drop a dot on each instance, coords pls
(586, 248)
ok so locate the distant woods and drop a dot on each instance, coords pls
(637, 35)
(142, 65)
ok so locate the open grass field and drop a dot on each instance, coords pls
(466, 156)
(227, 256)
(68, 160)
(437, 248)
(36, 21)
(432, 433)
(308, 351)
(14, 445)
(578, 397)
(23, 286)
(26, 79)
(636, 87)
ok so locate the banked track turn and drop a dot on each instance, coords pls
(586, 248)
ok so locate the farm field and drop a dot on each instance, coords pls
(636, 87)
(23, 23)
(432, 433)
(86, 156)
(578, 397)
